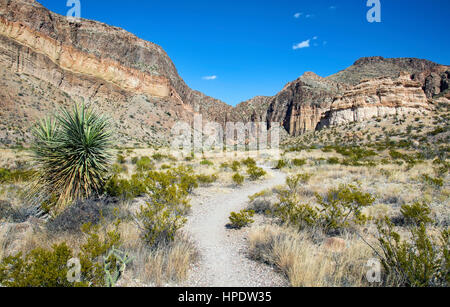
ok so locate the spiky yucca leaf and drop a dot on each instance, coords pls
(73, 153)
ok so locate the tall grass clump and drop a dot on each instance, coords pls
(72, 151)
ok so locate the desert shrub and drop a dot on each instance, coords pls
(134, 160)
(188, 181)
(224, 165)
(343, 207)
(241, 219)
(48, 268)
(417, 213)
(99, 239)
(125, 189)
(119, 168)
(281, 164)
(16, 175)
(158, 156)
(249, 162)
(238, 179)
(299, 162)
(206, 162)
(333, 161)
(419, 262)
(235, 166)
(39, 268)
(435, 182)
(255, 172)
(73, 154)
(291, 212)
(206, 179)
(171, 188)
(144, 164)
(355, 154)
(395, 155)
(159, 223)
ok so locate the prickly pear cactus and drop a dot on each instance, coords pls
(117, 260)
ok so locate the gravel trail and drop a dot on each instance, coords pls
(223, 261)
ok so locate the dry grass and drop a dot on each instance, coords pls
(307, 264)
(167, 265)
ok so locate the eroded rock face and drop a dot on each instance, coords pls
(47, 62)
(50, 58)
(377, 98)
(301, 104)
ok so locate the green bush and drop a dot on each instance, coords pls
(339, 210)
(291, 212)
(171, 188)
(342, 207)
(144, 164)
(159, 223)
(419, 262)
(235, 166)
(48, 268)
(255, 172)
(126, 189)
(249, 162)
(117, 169)
(17, 175)
(39, 268)
(417, 213)
(241, 219)
(206, 162)
(333, 160)
(299, 162)
(206, 179)
(224, 165)
(73, 154)
(238, 179)
(281, 164)
(435, 182)
(158, 157)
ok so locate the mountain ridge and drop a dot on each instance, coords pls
(49, 62)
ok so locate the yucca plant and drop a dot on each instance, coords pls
(73, 153)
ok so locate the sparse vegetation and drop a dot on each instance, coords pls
(241, 219)
(238, 179)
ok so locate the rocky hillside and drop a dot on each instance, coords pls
(48, 61)
(372, 87)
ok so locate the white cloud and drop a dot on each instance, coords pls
(333, 7)
(315, 37)
(304, 44)
(297, 15)
(210, 77)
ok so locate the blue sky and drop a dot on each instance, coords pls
(246, 47)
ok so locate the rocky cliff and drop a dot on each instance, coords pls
(378, 98)
(47, 62)
(131, 79)
(371, 87)
(301, 103)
